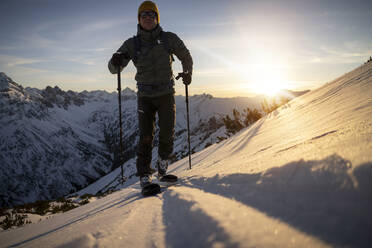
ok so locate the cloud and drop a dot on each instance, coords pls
(12, 61)
(210, 72)
(84, 61)
(347, 53)
(8, 48)
(227, 24)
(103, 25)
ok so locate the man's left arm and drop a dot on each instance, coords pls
(179, 49)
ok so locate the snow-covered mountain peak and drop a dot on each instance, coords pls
(128, 92)
(4, 77)
(7, 84)
(56, 90)
(10, 90)
(56, 96)
(201, 97)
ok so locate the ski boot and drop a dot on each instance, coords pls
(148, 187)
(164, 178)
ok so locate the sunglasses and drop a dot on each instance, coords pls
(150, 14)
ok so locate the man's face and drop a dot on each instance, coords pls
(148, 20)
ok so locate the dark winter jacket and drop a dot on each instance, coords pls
(154, 63)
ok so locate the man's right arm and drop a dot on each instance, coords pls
(119, 59)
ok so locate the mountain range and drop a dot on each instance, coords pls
(55, 142)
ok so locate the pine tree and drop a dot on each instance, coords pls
(251, 116)
(233, 125)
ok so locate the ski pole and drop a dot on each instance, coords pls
(188, 122)
(121, 130)
(187, 115)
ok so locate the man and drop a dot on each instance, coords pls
(151, 52)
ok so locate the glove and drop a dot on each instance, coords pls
(117, 59)
(186, 77)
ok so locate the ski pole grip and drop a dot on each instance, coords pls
(181, 74)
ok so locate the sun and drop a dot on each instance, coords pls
(267, 90)
(268, 84)
(266, 79)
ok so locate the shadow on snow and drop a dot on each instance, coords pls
(325, 198)
(195, 229)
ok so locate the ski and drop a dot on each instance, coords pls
(159, 185)
(167, 180)
(151, 189)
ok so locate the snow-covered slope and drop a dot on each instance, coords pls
(54, 142)
(299, 177)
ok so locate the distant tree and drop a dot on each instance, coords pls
(233, 125)
(228, 124)
(270, 107)
(251, 116)
(284, 100)
(240, 121)
(237, 121)
(13, 219)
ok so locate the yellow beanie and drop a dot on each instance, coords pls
(148, 5)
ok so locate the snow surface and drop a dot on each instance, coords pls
(299, 177)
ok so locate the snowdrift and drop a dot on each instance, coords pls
(299, 177)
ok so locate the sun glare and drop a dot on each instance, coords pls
(257, 71)
(269, 83)
(265, 79)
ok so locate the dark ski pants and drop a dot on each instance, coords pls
(147, 109)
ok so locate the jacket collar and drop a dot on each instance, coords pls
(149, 35)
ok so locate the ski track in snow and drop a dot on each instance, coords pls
(208, 220)
(299, 177)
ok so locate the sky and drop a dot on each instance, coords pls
(239, 48)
